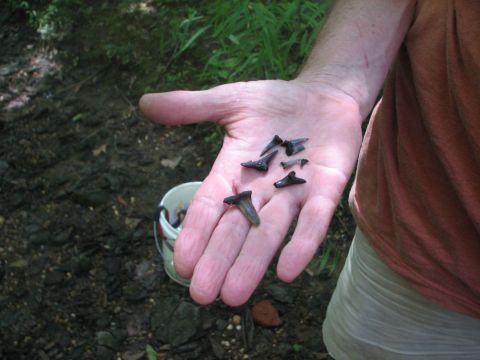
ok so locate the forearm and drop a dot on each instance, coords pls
(357, 46)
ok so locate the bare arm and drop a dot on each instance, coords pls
(357, 45)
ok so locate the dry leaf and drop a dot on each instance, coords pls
(171, 163)
(132, 223)
(99, 150)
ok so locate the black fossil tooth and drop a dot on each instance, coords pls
(244, 203)
(262, 164)
(277, 140)
(287, 164)
(180, 217)
(288, 180)
(294, 146)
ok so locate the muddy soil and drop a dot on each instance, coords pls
(81, 173)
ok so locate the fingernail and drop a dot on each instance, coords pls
(145, 102)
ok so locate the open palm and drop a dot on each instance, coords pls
(218, 248)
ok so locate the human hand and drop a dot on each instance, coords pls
(218, 248)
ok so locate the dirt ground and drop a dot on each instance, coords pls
(81, 173)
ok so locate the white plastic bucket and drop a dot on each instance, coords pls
(179, 197)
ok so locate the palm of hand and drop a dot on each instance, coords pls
(217, 246)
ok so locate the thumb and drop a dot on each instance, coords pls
(186, 107)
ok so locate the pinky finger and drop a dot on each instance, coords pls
(311, 229)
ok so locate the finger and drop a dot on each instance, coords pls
(202, 216)
(311, 229)
(260, 246)
(221, 251)
(186, 107)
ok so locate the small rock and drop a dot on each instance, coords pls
(138, 234)
(133, 355)
(90, 197)
(3, 167)
(161, 317)
(236, 319)
(104, 353)
(207, 322)
(217, 348)
(113, 265)
(32, 228)
(280, 292)
(143, 270)
(171, 163)
(63, 237)
(106, 339)
(2, 271)
(39, 238)
(53, 278)
(221, 324)
(185, 323)
(134, 324)
(134, 293)
(132, 223)
(16, 199)
(81, 265)
(265, 314)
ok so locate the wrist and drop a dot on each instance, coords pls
(341, 81)
(324, 86)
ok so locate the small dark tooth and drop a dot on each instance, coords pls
(288, 180)
(277, 140)
(295, 149)
(294, 146)
(290, 163)
(180, 216)
(262, 164)
(298, 141)
(244, 203)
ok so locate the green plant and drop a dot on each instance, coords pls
(326, 260)
(151, 353)
(297, 347)
(257, 40)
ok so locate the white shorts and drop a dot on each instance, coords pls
(375, 314)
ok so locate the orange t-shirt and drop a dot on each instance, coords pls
(417, 192)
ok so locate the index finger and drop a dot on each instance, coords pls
(201, 219)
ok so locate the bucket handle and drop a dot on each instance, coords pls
(157, 229)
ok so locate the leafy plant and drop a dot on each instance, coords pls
(297, 347)
(327, 259)
(257, 40)
(151, 353)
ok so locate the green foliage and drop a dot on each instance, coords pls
(253, 39)
(297, 347)
(150, 352)
(327, 259)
